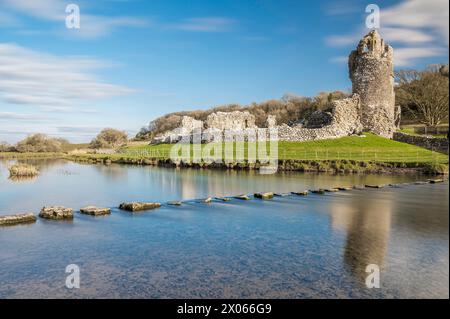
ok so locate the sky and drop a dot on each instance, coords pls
(134, 60)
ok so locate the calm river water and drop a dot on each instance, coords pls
(290, 247)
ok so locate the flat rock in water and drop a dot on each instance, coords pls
(303, 193)
(224, 199)
(95, 211)
(374, 186)
(174, 203)
(56, 212)
(332, 190)
(318, 191)
(242, 197)
(435, 181)
(264, 195)
(17, 219)
(281, 194)
(207, 200)
(345, 188)
(138, 206)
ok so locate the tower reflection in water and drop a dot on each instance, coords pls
(367, 223)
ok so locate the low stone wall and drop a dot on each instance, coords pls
(430, 143)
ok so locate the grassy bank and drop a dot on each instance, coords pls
(352, 154)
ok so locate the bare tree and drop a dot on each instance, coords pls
(424, 94)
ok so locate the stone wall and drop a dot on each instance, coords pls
(371, 70)
(230, 120)
(432, 143)
(345, 121)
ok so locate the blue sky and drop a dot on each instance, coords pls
(134, 60)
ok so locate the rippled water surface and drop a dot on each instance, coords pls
(291, 247)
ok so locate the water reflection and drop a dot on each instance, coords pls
(366, 223)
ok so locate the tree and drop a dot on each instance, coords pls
(5, 147)
(38, 143)
(424, 94)
(109, 138)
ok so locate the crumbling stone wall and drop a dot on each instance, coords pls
(345, 121)
(230, 120)
(372, 74)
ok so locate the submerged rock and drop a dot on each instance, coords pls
(56, 212)
(242, 197)
(95, 211)
(303, 193)
(175, 203)
(435, 181)
(224, 199)
(281, 194)
(374, 186)
(138, 206)
(17, 219)
(264, 196)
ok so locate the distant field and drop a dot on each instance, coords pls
(368, 148)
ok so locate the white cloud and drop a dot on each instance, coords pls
(416, 28)
(21, 117)
(204, 24)
(33, 78)
(91, 26)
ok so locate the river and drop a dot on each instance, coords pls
(290, 247)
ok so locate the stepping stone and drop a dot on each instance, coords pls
(345, 188)
(318, 191)
(332, 190)
(174, 203)
(420, 183)
(281, 194)
(224, 199)
(95, 211)
(303, 193)
(207, 200)
(56, 213)
(435, 181)
(17, 219)
(242, 197)
(374, 186)
(138, 206)
(264, 196)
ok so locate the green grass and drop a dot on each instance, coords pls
(368, 148)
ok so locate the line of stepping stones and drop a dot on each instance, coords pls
(63, 213)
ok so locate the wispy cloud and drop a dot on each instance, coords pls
(21, 117)
(92, 26)
(204, 24)
(32, 78)
(417, 29)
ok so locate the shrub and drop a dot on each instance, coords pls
(109, 138)
(38, 143)
(5, 147)
(23, 170)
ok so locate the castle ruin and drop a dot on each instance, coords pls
(371, 69)
(370, 108)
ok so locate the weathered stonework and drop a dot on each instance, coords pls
(345, 120)
(230, 120)
(372, 73)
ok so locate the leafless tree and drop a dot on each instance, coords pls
(424, 94)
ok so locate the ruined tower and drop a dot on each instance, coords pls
(371, 70)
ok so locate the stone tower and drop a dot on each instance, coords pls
(372, 73)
